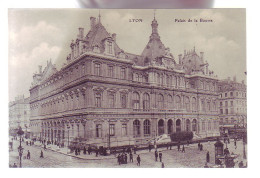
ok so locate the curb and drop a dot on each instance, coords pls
(75, 156)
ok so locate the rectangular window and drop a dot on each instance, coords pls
(221, 104)
(110, 71)
(226, 103)
(124, 130)
(221, 111)
(112, 129)
(226, 111)
(111, 100)
(98, 100)
(123, 73)
(225, 94)
(98, 130)
(231, 94)
(231, 103)
(97, 70)
(123, 101)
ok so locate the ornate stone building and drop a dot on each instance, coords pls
(106, 96)
(19, 114)
(232, 103)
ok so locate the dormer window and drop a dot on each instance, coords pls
(109, 44)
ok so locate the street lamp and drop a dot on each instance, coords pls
(20, 148)
(68, 127)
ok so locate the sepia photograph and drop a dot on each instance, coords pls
(127, 88)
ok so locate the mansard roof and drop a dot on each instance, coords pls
(96, 37)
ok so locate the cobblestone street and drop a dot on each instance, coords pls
(171, 158)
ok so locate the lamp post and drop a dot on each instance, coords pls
(20, 148)
(68, 127)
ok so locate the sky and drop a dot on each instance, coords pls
(38, 35)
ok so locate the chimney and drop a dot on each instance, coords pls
(40, 69)
(180, 57)
(114, 36)
(202, 56)
(235, 79)
(92, 22)
(81, 33)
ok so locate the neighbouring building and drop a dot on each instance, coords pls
(106, 96)
(19, 114)
(232, 103)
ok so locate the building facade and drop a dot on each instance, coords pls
(232, 103)
(19, 114)
(106, 96)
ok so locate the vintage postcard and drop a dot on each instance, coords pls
(126, 88)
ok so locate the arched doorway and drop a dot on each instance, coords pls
(187, 125)
(161, 127)
(170, 126)
(194, 125)
(178, 125)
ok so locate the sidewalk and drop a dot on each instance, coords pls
(92, 156)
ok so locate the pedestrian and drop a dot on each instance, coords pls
(14, 166)
(118, 159)
(235, 143)
(170, 146)
(76, 152)
(84, 150)
(96, 152)
(160, 156)
(162, 165)
(241, 164)
(156, 155)
(28, 155)
(89, 150)
(199, 146)
(44, 147)
(138, 160)
(125, 158)
(41, 156)
(179, 147)
(183, 149)
(131, 157)
(207, 157)
(150, 147)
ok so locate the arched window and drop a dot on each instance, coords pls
(147, 130)
(208, 105)
(161, 127)
(187, 125)
(136, 100)
(160, 101)
(194, 125)
(178, 102)
(170, 126)
(111, 100)
(203, 125)
(187, 103)
(178, 125)
(146, 101)
(169, 101)
(209, 125)
(136, 127)
(194, 104)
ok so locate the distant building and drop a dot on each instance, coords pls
(19, 113)
(232, 103)
(106, 96)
